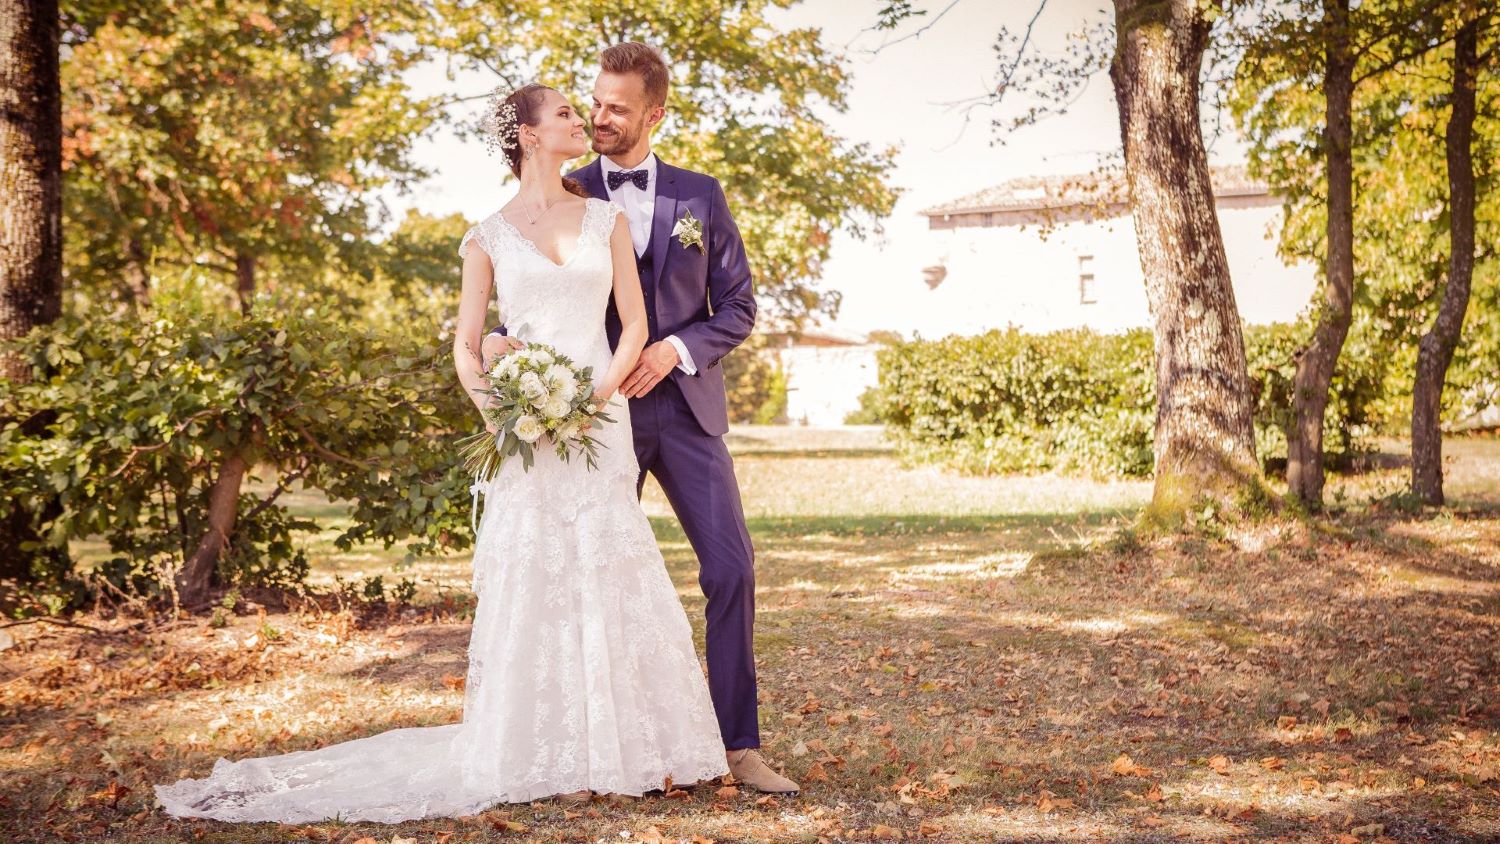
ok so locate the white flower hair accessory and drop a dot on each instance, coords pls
(499, 123)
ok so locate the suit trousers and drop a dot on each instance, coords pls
(697, 474)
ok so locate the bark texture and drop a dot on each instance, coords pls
(244, 281)
(1435, 350)
(1315, 364)
(196, 577)
(30, 230)
(1204, 442)
(30, 172)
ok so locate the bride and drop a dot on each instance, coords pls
(582, 674)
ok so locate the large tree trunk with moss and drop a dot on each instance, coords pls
(1435, 351)
(30, 221)
(1205, 444)
(1316, 362)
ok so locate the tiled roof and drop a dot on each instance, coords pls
(1041, 192)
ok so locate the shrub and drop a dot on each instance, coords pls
(1007, 401)
(145, 414)
(871, 408)
(754, 383)
(1080, 401)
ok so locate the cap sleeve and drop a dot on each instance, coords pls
(472, 234)
(609, 210)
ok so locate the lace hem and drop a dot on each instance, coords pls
(251, 790)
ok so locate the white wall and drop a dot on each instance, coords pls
(1018, 275)
(824, 382)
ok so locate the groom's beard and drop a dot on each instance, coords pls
(613, 141)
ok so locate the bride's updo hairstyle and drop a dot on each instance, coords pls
(502, 125)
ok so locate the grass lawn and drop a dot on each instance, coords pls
(942, 658)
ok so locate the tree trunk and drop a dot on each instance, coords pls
(30, 172)
(137, 276)
(1435, 351)
(30, 227)
(244, 277)
(1316, 362)
(1204, 444)
(196, 576)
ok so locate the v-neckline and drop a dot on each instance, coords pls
(577, 244)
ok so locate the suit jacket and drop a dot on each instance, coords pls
(705, 297)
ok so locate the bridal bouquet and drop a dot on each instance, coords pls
(535, 395)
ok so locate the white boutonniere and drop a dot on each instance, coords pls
(689, 230)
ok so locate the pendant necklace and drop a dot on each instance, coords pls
(532, 220)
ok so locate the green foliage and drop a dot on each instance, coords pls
(773, 409)
(754, 383)
(1400, 113)
(148, 413)
(1359, 396)
(1079, 401)
(199, 133)
(871, 408)
(1006, 401)
(750, 104)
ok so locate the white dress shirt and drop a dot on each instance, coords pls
(640, 207)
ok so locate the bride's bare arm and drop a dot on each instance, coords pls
(478, 280)
(631, 305)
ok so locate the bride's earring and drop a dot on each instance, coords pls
(530, 151)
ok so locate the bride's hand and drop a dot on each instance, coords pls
(601, 398)
(495, 346)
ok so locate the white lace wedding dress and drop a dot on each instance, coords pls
(582, 672)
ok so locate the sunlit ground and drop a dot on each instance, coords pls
(942, 658)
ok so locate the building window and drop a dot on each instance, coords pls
(1086, 294)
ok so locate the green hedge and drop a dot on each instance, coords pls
(1082, 402)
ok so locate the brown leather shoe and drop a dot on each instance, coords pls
(750, 768)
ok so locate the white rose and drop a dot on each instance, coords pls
(541, 357)
(556, 408)
(529, 429)
(561, 382)
(533, 388)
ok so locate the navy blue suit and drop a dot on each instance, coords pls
(705, 298)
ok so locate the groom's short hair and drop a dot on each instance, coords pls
(642, 59)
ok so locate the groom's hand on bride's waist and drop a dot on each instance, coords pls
(656, 361)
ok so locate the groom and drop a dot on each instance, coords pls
(699, 307)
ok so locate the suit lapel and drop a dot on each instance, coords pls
(592, 177)
(663, 218)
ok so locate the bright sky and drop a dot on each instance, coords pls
(897, 97)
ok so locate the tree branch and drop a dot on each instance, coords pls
(911, 35)
(1004, 82)
(281, 486)
(324, 451)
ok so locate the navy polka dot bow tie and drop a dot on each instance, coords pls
(619, 177)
